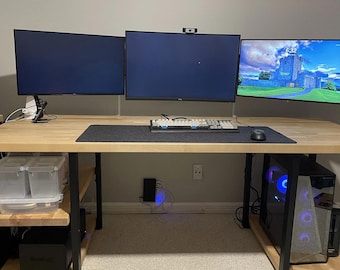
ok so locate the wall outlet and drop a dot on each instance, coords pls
(197, 171)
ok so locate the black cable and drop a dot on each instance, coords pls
(254, 208)
(179, 117)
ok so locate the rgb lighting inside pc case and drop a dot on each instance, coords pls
(313, 207)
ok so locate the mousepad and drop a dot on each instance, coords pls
(123, 133)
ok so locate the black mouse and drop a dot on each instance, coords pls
(258, 135)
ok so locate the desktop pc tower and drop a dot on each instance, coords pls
(313, 213)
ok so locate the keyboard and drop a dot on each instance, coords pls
(192, 125)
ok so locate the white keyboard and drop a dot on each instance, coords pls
(183, 124)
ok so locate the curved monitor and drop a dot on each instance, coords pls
(177, 66)
(63, 63)
(305, 70)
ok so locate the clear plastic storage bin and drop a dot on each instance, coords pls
(47, 176)
(30, 205)
(14, 177)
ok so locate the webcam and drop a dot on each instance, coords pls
(187, 30)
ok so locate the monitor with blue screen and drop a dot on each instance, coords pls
(52, 63)
(177, 66)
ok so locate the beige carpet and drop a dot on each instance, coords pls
(174, 241)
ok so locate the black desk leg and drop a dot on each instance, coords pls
(99, 220)
(75, 210)
(246, 190)
(288, 215)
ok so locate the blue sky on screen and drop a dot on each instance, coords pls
(264, 55)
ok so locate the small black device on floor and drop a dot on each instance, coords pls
(149, 190)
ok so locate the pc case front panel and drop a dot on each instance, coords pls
(313, 207)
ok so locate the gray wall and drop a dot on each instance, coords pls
(123, 174)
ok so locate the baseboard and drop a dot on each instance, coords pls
(184, 208)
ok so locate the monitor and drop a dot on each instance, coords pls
(178, 66)
(304, 70)
(52, 63)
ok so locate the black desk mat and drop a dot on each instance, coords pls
(122, 133)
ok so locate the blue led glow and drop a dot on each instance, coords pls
(160, 197)
(304, 237)
(269, 174)
(304, 195)
(306, 217)
(281, 184)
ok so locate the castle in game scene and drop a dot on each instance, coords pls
(289, 74)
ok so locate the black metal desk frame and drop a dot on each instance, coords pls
(75, 204)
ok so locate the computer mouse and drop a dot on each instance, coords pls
(258, 135)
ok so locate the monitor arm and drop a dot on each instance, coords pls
(41, 105)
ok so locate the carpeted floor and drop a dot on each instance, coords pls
(174, 242)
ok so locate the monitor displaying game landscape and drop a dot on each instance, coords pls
(305, 70)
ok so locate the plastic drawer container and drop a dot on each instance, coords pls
(47, 176)
(30, 205)
(14, 177)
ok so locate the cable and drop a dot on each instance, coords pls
(254, 207)
(23, 234)
(237, 218)
(165, 115)
(11, 114)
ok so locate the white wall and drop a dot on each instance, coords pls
(252, 19)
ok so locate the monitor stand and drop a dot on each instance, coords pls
(233, 110)
(34, 109)
(30, 108)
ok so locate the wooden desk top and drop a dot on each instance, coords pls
(59, 135)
